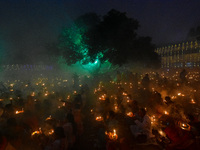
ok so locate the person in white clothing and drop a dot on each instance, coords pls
(142, 126)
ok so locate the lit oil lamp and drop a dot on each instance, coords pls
(192, 101)
(36, 132)
(130, 114)
(166, 113)
(161, 133)
(112, 135)
(124, 93)
(153, 118)
(33, 94)
(19, 111)
(184, 126)
(68, 97)
(99, 118)
(49, 118)
(116, 107)
(51, 132)
(103, 97)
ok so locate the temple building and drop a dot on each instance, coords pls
(182, 55)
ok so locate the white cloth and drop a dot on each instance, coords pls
(142, 127)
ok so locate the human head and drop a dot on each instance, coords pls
(142, 112)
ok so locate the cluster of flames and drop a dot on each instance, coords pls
(37, 132)
(112, 135)
(99, 118)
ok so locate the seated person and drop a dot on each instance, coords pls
(143, 126)
(179, 139)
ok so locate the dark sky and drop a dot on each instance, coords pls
(27, 25)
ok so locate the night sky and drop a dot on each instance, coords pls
(27, 25)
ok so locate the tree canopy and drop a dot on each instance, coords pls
(111, 38)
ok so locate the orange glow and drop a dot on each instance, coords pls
(19, 111)
(130, 114)
(51, 132)
(99, 118)
(166, 113)
(192, 101)
(112, 135)
(49, 118)
(36, 132)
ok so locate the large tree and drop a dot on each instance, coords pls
(112, 39)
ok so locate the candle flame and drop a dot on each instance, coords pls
(19, 111)
(49, 118)
(99, 118)
(130, 114)
(166, 113)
